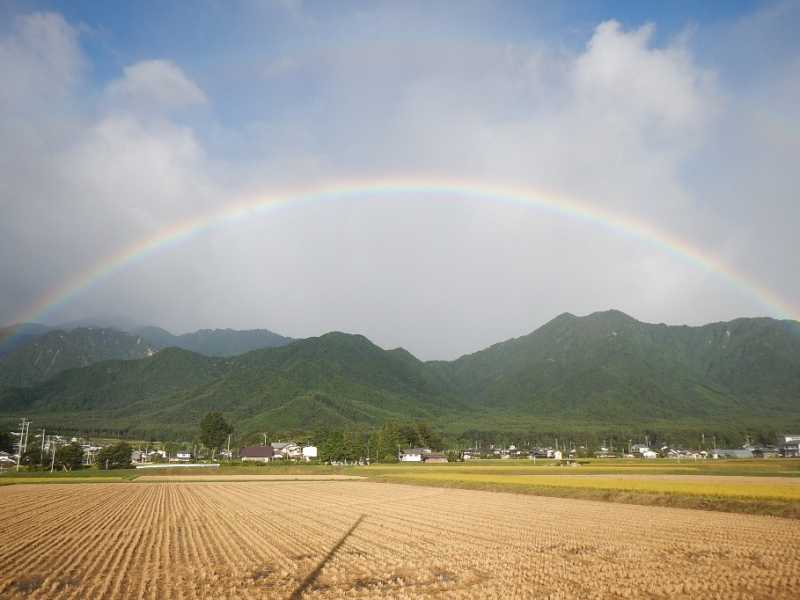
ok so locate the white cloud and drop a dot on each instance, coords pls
(625, 124)
(40, 61)
(154, 84)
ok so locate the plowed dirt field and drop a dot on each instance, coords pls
(315, 539)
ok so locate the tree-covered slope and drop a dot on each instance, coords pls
(604, 368)
(17, 336)
(334, 379)
(611, 366)
(56, 351)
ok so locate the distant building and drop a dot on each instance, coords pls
(286, 450)
(435, 457)
(604, 452)
(789, 445)
(414, 454)
(257, 454)
(734, 453)
(309, 453)
(471, 454)
(649, 454)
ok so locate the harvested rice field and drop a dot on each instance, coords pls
(333, 539)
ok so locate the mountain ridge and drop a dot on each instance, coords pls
(603, 368)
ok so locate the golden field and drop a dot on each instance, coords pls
(768, 488)
(333, 539)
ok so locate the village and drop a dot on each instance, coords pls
(40, 450)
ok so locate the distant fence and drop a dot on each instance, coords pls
(180, 466)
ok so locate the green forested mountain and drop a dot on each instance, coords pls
(603, 369)
(16, 336)
(335, 380)
(55, 351)
(215, 342)
(610, 366)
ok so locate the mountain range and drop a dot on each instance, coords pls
(32, 353)
(603, 370)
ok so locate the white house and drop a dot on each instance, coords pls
(6, 460)
(414, 454)
(309, 453)
(649, 454)
(287, 450)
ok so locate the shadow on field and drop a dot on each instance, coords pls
(311, 577)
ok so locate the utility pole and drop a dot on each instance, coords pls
(42, 453)
(229, 446)
(53, 459)
(265, 439)
(24, 425)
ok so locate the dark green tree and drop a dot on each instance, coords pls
(6, 445)
(116, 456)
(214, 431)
(70, 457)
(34, 458)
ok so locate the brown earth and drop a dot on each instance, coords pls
(370, 540)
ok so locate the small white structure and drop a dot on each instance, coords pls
(557, 455)
(309, 453)
(414, 454)
(649, 454)
(6, 460)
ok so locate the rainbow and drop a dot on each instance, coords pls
(259, 204)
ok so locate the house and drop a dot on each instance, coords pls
(309, 453)
(414, 454)
(471, 453)
(789, 445)
(257, 454)
(604, 452)
(286, 450)
(435, 457)
(182, 457)
(649, 454)
(766, 452)
(6, 460)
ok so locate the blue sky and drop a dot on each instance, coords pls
(220, 44)
(120, 119)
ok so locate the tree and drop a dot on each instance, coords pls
(6, 445)
(172, 448)
(33, 457)
(214, 431)
(116, 456)
(70, 457)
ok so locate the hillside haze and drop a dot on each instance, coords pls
(43, 356)
(605, 368)
(215, 342)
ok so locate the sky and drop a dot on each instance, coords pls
(121, 121)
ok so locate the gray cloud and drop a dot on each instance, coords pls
(662, 133)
